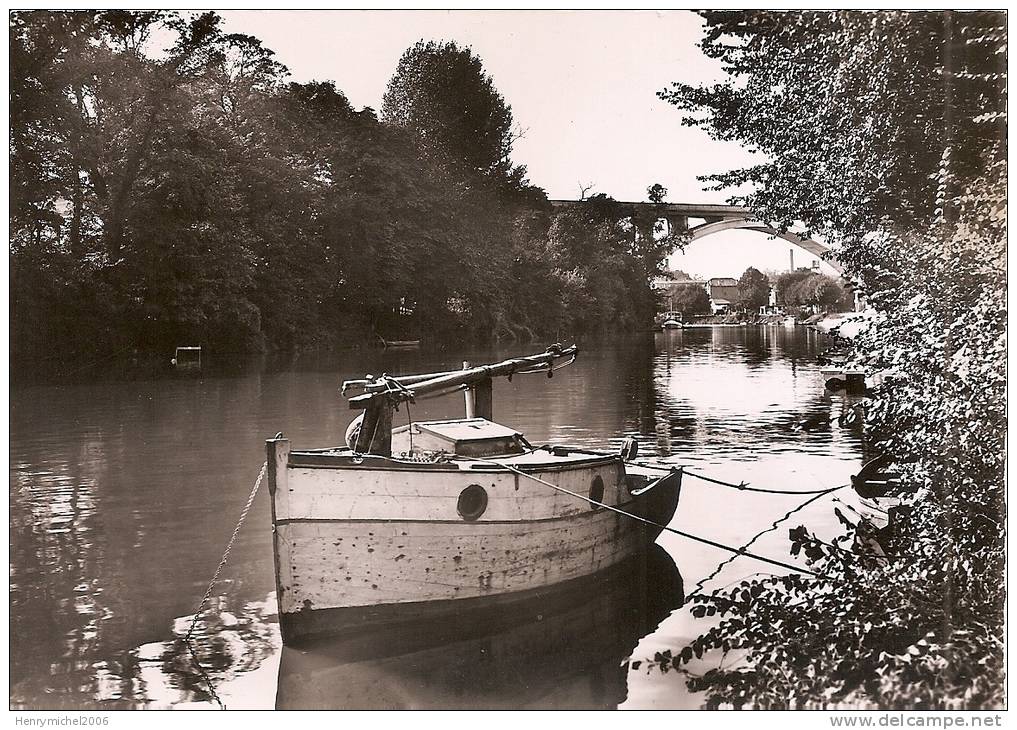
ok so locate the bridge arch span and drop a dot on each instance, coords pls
(814, 247)
(717, 218)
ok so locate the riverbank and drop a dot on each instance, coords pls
(739, 318)
(840, 324)
(129, 363)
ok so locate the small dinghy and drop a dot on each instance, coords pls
(399, 343)
(878, 487)
(430, 519)
(187, 360)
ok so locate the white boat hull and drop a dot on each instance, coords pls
(357, 543)
(566, 651)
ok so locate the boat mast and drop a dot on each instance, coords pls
(383, 394)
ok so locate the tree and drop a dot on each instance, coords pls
(884, 131)
(101, 135)
(603, 267)
(656, 193)
(880, 166)
(819, 291)
(753, 290)
(676, 275)
(188, 193)
(806, 287)
(689, 299)
(45, 127)
(441, 92)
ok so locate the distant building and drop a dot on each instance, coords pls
(723, 294)
(771, 303)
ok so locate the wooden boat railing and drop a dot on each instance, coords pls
(382, 394)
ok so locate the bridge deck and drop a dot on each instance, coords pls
(692, 210)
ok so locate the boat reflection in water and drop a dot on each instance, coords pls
(564, 650)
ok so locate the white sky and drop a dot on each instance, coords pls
(582, 84)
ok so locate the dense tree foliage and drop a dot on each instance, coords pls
(884, 131)
(191, 195)
(880, 163)
(809, 288)
(753, 290)
(676, 275)
(689, 299)
(441, 92)
(656, 193)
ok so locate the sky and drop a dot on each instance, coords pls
(582, 86)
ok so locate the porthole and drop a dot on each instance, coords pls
(597, 491)
(472, 502)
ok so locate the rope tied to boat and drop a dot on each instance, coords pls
(737, 551)
(215, 579)
(395, 385)
(701, 584)
(741, 486)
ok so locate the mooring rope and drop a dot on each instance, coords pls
(211, 585)
(742, 486)
(762, 490)
(701, 584)
(696, 538)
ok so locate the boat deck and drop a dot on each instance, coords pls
(538, 459)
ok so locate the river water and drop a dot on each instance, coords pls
(124, 494)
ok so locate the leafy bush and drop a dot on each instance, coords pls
(915, 200)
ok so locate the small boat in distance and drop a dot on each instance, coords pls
(430, 519)
(187, 359)
(399, 343)
(672, 321)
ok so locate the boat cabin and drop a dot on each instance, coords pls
(462, 437)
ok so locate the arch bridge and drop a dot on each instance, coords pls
(715, 218)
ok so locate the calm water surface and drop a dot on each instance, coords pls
(124, 494)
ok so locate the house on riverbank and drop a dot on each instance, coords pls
(723, 293)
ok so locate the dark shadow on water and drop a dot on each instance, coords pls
(562, 653)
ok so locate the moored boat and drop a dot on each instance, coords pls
(838, 377)
(672, 321)
(878, 488)
(187, 359)
(399, 343)
(437, 517)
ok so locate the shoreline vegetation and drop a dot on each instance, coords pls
(901, 117)
(192, 195)
(130, 364)
(750, 319)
